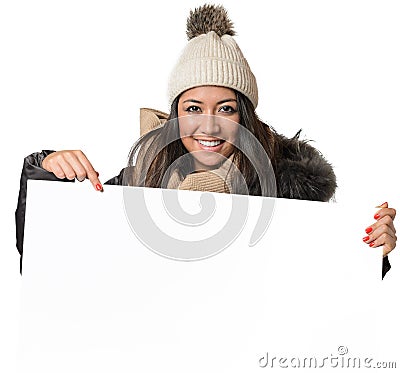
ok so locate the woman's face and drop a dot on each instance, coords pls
(208, 124)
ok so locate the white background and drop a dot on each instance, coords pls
(74, 75)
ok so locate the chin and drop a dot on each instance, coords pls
(209, 163)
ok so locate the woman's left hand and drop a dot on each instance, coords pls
(382, 232)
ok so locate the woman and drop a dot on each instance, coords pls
(212, 129)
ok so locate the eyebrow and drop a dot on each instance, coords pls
(218, 103)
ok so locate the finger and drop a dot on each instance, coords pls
(67, 169)
(93, 177)
(51, 164)
(56, 170)
(385, 240)
(82, 178)
(385, 220)
(374, 235)
(91, 173)
(386, 211)
(75, 163)
(387, 249)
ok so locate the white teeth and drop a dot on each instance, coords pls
(209, 143)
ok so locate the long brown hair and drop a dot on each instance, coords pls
(154, 153)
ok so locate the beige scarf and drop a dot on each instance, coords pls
(218, 180)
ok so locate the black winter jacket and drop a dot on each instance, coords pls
(301, 173)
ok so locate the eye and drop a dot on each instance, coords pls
(227, 109)
(193, 109)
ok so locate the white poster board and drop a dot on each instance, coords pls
(95, 298)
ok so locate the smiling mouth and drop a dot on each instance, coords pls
(210, 144)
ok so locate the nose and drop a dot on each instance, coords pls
(209, 124)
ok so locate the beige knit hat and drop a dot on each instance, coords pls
(212, 56)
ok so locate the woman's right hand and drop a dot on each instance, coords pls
(72, 164)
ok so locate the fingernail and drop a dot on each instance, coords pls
(99, 187)
(368, 230)
(376, 216)
(372, 244)
(365, 239)
(380, 206)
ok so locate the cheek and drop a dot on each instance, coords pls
(187, 142)
(228, 150)
(186, 126)
(184, 141)
(181, 125)
(232, 132)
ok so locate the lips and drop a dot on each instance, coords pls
(210, 145)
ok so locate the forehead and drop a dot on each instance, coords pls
(208, 94)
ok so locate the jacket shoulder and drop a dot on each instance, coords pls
(302, 172)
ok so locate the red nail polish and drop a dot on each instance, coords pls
(99, 187)
(366, 238)
(372, 244)
(368, 230)
(376, 216)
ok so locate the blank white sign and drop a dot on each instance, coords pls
(95, 298)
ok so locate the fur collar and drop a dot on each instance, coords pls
(302, 172)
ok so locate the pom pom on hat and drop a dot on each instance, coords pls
(208, 18)
(212, 56)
